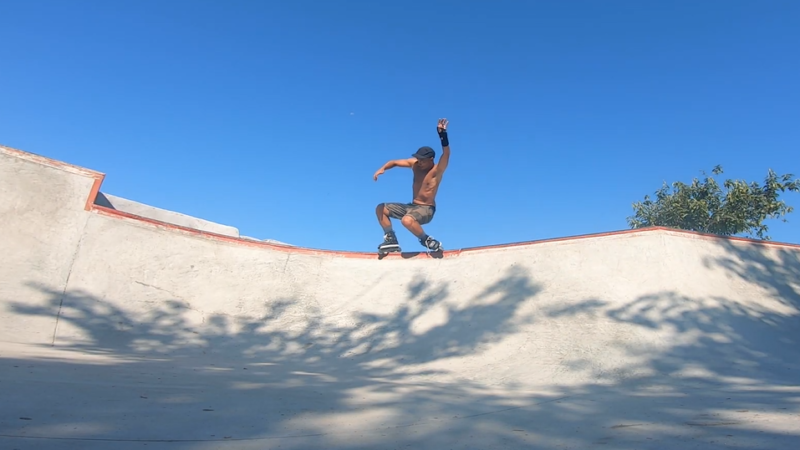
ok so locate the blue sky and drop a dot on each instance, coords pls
(273, 116)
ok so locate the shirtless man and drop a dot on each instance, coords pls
(427, 177)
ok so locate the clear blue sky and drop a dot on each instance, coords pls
(273, 116)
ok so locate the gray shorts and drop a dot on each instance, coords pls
(422, 213)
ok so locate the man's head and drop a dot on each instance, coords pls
(425, 157)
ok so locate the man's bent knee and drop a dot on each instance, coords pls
(408, 221)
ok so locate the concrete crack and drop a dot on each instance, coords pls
(176, 297)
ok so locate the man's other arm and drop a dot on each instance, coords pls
(408, 162)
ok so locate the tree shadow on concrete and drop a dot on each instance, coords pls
(775, 268)
(722, 374)
(721, 368)
(234, 378)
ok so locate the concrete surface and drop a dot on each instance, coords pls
(124, 331)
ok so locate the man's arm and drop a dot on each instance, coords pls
(408, 162)
(445, 159)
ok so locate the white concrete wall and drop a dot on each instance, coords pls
(41, 222)
(343, 349)
(52, 245)
(576, 311)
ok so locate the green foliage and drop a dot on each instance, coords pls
(735, 207)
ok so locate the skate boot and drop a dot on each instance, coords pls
(431, 244)
(389, 244)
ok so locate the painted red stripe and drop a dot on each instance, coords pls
(99, 177)
(448, 253)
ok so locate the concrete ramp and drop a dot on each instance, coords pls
(123, 330)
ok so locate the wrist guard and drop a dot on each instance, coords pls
(443, 138)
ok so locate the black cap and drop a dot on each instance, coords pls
(424, 152)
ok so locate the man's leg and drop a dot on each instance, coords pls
(413, 225)
(413, 220)
(384, 212)
(383, 217)
(387, 211)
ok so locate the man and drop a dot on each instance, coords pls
(427, 177)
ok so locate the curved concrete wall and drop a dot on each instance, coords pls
(366, 347)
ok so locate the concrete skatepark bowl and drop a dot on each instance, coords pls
(131, 327)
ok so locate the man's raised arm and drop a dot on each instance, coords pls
(441, 128)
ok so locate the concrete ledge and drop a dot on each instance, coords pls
(162, 215)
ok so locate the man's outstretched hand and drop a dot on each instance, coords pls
(377, 174)
(442, 126)
(442, 129)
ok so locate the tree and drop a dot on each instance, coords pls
(705, 206)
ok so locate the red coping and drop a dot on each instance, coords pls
(99, 177)
(407, 255)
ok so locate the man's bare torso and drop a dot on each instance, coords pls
(425, 186)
